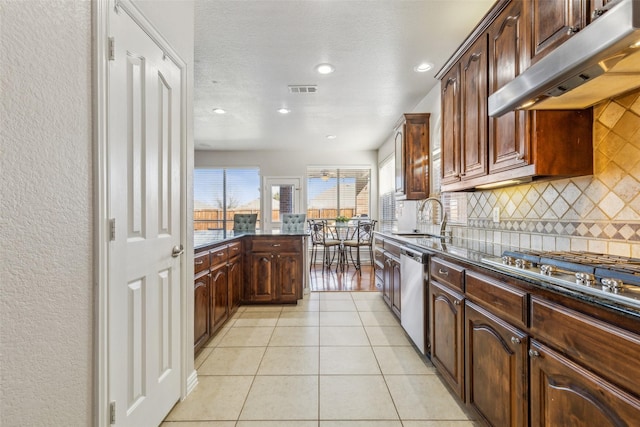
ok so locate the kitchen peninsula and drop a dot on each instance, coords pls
(245, 268)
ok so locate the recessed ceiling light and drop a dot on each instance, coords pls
(219, 111)
(284, 111)
(325, 68)
(423, 68)
(331, 137)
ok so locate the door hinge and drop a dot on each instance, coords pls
(112, 229)
(112, 49)
(112, 412)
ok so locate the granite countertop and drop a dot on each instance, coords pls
(202, 239)
(473, 251)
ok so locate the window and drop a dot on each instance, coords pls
(333, 192)
(220, 193)
(387, 194)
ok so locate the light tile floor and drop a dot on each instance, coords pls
(334, 360)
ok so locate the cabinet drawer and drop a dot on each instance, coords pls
(200, 262)
(277, 245)
(447, 273)
(235, 249)
(607, 350)
(499, 298)
(218, 255)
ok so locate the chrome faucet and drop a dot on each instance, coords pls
(419, 213)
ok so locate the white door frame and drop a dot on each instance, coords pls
(100, 25)
(267, 182)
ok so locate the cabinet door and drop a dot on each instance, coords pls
(219, 293)
(235, 282)
(508, 57)
(387, 281)
(416, 150)
(554, 22)
(395, 284)
(289, 277)
(261, 286)
(201, 332)
(496, 368)
(446, 309)
(473, 110)
(565, 394)
(398, 141)
(450, 152)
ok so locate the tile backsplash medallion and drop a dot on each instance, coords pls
(596, 213)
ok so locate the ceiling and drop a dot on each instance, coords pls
(247, 53)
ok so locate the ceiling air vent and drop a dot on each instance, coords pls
(303, 88)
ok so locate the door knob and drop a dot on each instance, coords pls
(177, 251)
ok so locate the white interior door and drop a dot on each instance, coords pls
(282, 195)
(144, 183)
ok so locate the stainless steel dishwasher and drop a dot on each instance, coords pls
(413, 287)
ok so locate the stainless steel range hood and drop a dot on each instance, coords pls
(599, 62)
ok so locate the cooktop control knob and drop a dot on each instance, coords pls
(523, 263)
(547, 270)
(507, 260)
(612, 285)
(585, 279)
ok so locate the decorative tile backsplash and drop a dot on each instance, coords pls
(597, 213)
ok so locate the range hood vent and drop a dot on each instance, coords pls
(599, 62)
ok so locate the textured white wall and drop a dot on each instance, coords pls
(46, 213)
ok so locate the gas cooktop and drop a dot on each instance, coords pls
(607, 276)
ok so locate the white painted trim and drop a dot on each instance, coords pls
(188, 376)
(100, 242)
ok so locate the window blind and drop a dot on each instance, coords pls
(387, 199)
(220, 193)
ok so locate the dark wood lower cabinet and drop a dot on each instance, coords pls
(496, 368)
(446, 308)
(235, 282)
(219, 293)
(201, 331)
(565, 394)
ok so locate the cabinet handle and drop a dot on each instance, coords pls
(235, 249)
(199, 262)
(220, 254)
(515, 340)
(534, 353)
(572, 30)
(275, 245)
(520, 157)
(443, 272)
(456, 302)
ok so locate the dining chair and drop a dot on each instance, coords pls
(293, 223)
(321, 237)
(244, 223)
(362, 237)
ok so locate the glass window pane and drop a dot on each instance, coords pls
(332, 192)
(219, 193)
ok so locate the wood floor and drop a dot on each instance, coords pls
(328, 279)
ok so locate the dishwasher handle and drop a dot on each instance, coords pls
(414, 255)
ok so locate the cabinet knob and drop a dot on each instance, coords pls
(597, 13)
(572, 30)
(520, 157)
(515, 340)
(456, 302)
(534, 353)
(443, 272)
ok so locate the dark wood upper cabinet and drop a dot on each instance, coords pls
(450, 152)
(508, 57)
(473, 98)
(412, 157)
(554, 22)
